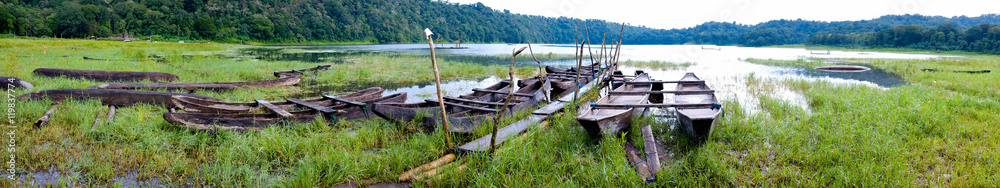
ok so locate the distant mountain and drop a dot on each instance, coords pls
(391, 21)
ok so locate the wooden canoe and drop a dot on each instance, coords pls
(614, 120)
(697, 121)
(429, 115)
(107, 76)
(255, 121)
(113, 96)
(298, 72)
(560, 85)
(844, 68)
(16, 83)
(203, 106)
(218, 86)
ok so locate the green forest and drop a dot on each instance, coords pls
(401, 21)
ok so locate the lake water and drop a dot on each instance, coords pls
(721, 66)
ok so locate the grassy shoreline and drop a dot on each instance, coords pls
(937, 131)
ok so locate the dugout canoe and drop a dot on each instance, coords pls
(298, 72)
(843, 68)
(16, 83)
(115, 97)
(190, 104)
(256, 121)
(614, 120)
(217, 86)
(697, 121)
(106, 76)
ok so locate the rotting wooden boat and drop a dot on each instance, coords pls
(254, 121)
(217, 86)
(697, 121)
(560, 85)
(466, 112)
(106, 76)
(843, 68)
(190, 104)
(114, 97)
(614, 120)
(301, 71)
(16, 82)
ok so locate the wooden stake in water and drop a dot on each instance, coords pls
(506, 103)
(541, 72)
(437, 80)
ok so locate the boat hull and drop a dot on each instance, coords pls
(697, 121)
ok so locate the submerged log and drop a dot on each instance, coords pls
(290, 73)
(45, 117)
(17, 83)
(111, 96)
(107, 76)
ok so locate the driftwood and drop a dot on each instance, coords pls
(45, 117)
(7, 82)
(408, 175)
(107, 76)
(111, 96)
(289, 73)
(97, 120)
(970, 72)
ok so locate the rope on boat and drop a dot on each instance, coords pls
(716, 105)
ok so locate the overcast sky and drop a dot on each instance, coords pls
(667, 14)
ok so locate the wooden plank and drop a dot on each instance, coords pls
(666, 82)
(473, 101)
(661, 92)
(663, 105)
(640, 166)
(466, 106)
(501, 92)
(111, 114)
(316, 107)
(483, 144)
(549, 109)
(273, 108)
(652, 158)
(349, 102)
(408, 175)
(97, 120)
(45, 117)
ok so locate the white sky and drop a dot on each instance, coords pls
(667, 14)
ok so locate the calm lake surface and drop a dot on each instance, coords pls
(721, 66)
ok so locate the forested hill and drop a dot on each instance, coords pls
(389, 21)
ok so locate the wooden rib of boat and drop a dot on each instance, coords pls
(107, 76)
(466, 112)
(254, 121)
(697, 121)
(614, 120)
(114, 97)
(843, 68)
(301, 71)
(204, 106)
(16, 82)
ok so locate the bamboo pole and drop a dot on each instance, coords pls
(540, 72)
(45, 117)
(591, 51)
(506, 103)
(437, 80)
(111, 114)
(579, 61)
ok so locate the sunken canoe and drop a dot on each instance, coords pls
(114, 97)
(298, 72)
(255, 121)
(614, 120)
(428, 114)
(190, 104)
(218, 86)
(107, 76)
(843, 68)
(697, 121)
(15, 83)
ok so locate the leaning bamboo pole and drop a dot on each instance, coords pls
(541, 73)
(579, 62)
(506, 103)
(437, 80)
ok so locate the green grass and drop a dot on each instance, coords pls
(657, 65)
(938, 131)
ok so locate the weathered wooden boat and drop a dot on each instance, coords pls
(466, 112)
(106, 76)
(217, 86)
(697, 121)
(301, 71)
(560, 85)
(613, 120)
(114, 97)
(16, 83)
(843, 68)
(283, 81)
(190, 104)
(334, 111)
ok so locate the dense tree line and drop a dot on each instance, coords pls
(983, 38)
(401, 21)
